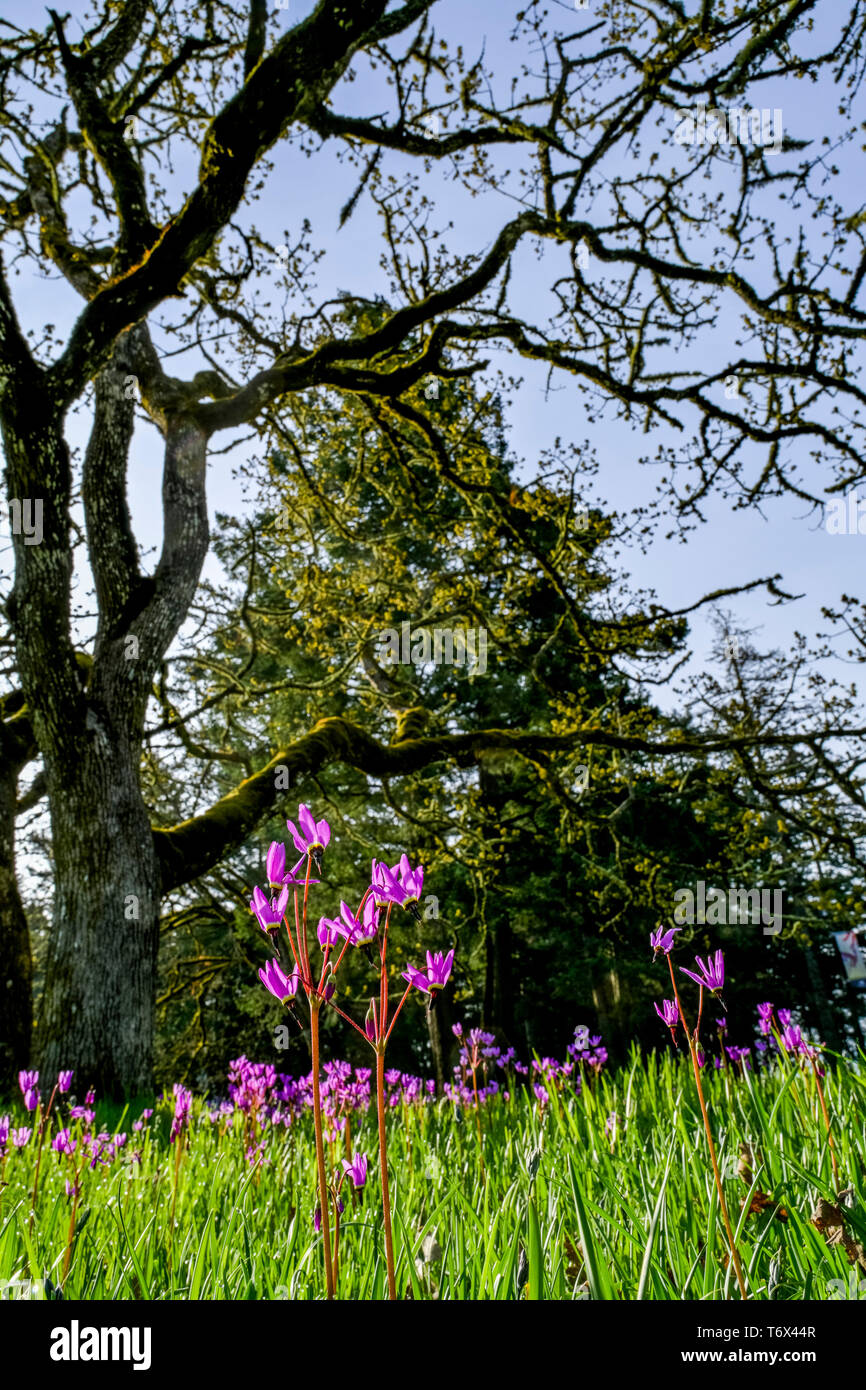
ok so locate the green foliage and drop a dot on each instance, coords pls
(619, 1210)
(547, 880)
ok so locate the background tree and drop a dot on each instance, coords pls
(138, 153)
(549, 879)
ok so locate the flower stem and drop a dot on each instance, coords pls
(42, 1123)
(383, 1164)
(336, 1240)
(830, 1139)
(478, 1127)
(179, 1142)
(67, 1259)
(716, 1174)
(324, 1204)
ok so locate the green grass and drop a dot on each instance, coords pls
(628, 1217)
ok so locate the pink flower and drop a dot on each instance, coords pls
(438, 972)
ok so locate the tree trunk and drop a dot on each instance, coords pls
(498, 1002)
(439, 1020)
(97, 1008)
(16, 961)
(830, 1032)
(611, 1000)
(498, 1010)
(98, 1003)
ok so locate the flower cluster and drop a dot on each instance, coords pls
(399, 885)
(182, 1106)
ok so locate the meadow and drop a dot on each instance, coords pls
(552, 1181)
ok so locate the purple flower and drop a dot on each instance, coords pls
(317, 1216)
(28, 1081)
(283, 987)
(182, 1104)
(328, 932)
(712, 975)
(668, 1013)
(784, 1017)
(62, 1143)
(412, 882)
(64, 1081)
(385, 886)
(765, 1014)
(357, 1169)
(370, 919)
(438, 971)
(275, 864)
(358, 933)
(269, 912)
(31, 1099)
(662, 940)
(312, 838)
(20, 1136)
(792, 1039)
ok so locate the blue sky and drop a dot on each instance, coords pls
(731, 547)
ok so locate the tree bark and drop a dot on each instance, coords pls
(498, 1011)
(16, 961)
(498, 1003)
(439, 1021)
(610, 997)
(830, 1031)
(99, 997)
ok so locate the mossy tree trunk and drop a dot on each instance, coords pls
(88, 718)
(16, 961)
(98, 999)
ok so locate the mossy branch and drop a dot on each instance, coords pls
(188, 850)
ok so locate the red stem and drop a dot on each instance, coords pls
(397, 1012)
(324, 1204)
(383, 1165)
(337, 1009)
(716, 1174)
